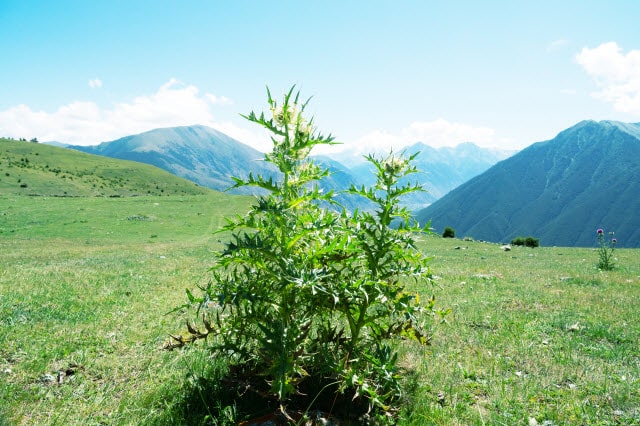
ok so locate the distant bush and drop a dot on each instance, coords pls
(532, 242)
(449, 232)
(518, 241)
(525, 241)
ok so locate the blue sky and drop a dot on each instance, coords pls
(381, 73)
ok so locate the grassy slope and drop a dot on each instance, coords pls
(85, 284)
(28, 168)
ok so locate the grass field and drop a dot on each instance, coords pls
(536, 336)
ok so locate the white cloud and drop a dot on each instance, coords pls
(86, 123)
(259, 140)
(179, 104)
(174, 104)
(219, 100)
(95, 83)
(617, 75)
(437, 133)
(557, 45)
(443, 133)
(376, 142)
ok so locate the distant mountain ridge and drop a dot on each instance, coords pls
(440, 169)
(559, 191)
(446, 168)
(198, 153)
(210, 158)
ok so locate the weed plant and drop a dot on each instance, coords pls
(606, 247)
(305, 293)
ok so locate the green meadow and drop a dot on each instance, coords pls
(35, 169)
(535, 336)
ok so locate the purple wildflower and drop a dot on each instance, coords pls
(600, 231)
(613, 240)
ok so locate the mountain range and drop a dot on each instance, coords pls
(559, 191)
(210, 158)
(198, 153)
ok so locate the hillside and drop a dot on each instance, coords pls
(28, 168)
(197, 153)
(559, 191)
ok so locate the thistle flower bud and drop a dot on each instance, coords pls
(394, 165)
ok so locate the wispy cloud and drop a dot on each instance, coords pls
(557, 45)
(95, 83)
(437, 133)
(86, 123)
(616, 74)
(444, 133)
(218, 100)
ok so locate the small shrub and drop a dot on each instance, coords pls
(525, 242)
(448, 232)
(606, 247)
(518, 241)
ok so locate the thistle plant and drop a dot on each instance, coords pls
(304, 291)
(606, 247)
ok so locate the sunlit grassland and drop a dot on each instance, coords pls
(536, 335)
(35, 169)
(85, 285)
